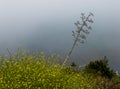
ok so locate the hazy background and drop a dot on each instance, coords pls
(47, 25)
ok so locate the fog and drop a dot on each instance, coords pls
(47, 25)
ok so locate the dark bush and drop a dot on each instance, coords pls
(99, 67)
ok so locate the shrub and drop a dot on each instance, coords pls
(99, 67)
(37, 72)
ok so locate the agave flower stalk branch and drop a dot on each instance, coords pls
(84, 23)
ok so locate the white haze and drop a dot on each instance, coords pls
(47, 25)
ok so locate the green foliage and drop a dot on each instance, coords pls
(105, 83)
(99, 67)
(73, 64)
(38, 72)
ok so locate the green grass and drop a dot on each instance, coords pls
(40, 72)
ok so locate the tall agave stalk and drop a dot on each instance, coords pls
(81, 32)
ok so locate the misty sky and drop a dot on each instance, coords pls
(47, 25)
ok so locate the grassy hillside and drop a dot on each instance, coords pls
(41, 72)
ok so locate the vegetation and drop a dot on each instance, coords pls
(37, 72)
(100, 67)
(41, 72)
